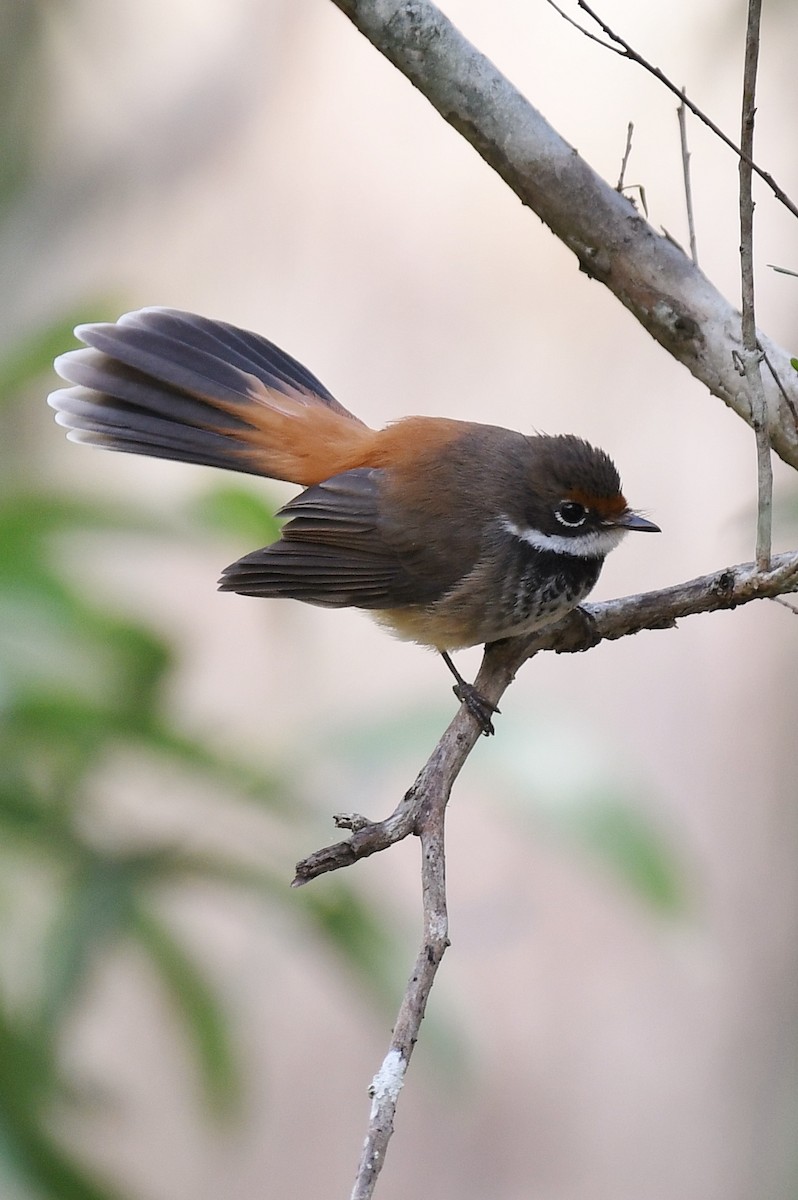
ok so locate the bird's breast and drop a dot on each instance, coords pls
(509, 595)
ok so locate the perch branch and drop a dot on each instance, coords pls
(613, 243)
(608, 621)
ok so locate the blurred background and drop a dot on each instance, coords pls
(618, 1014)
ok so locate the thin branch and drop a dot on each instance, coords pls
(626, 51)
(432, 795)
(593, 36)
(608, 621)
(785, 604)
(619, 187)
(751, 355)
(786, 397)
(651, 277)
(622, 186)
(688, 187)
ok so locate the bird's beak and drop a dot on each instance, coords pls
(633, 520)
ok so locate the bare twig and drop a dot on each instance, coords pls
(608, 621)
(626, 51)
(751, 354)
(432, 793)
(651, 277)
(688, 188)
(622, 186)
(593, 37)
(785, 395)
(619, 187)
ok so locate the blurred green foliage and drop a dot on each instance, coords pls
(80, 685)
(569, 786)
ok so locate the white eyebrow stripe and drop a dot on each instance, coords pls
(597, 543)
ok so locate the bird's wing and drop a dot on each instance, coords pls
(332, 552)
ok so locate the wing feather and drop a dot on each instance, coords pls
(331, 552)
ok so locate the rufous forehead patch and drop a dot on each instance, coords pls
(605, 506)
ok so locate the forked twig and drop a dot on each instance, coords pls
(621, 47)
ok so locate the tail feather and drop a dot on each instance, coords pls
(130, 390)
(174, 385)
(93, 424)
(248, 351)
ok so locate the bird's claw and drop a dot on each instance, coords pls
(480, 708)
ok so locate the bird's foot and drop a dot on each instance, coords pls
(479, 706)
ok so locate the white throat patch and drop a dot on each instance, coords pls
(596, 543)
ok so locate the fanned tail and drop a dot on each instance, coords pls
(174, 385)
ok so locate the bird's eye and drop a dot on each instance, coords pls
(571, 513)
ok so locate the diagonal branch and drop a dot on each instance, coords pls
(650, 275)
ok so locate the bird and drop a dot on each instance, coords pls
(450, 533)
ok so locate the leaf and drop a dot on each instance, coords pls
(362, 941)
(51, 741)
(57, 645)
(29, 521)
(237, 510)
(576, 791)
(35, 1160)
(30, 1154)
(201, 1011)
(96, 905)
(624, 839)
(33, 355)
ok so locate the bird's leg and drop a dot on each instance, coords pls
(479, 706)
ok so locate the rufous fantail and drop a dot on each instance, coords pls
(450, 533)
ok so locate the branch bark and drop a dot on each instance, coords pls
(647, 272)
(581, 630)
